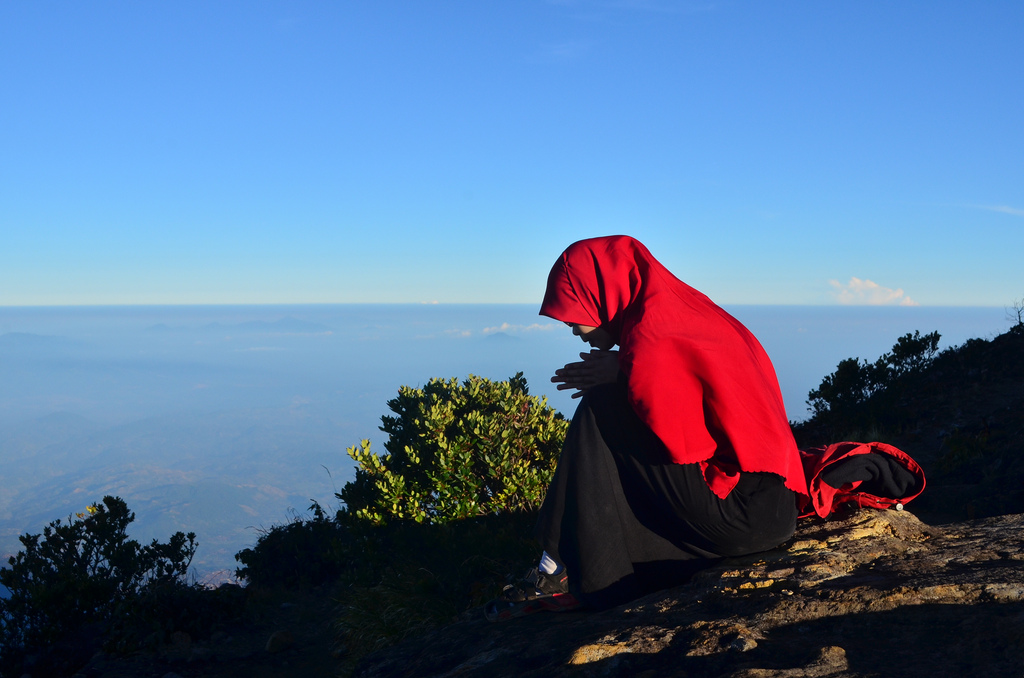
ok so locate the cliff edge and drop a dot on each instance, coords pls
(874, 593)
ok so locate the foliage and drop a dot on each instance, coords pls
(303, 552)
(960, 414)
(81, 573)
(851, 384)
(422, 575)
(395, 579)
(150, 618)
(433, 527)
(855, 382)
(456, 451)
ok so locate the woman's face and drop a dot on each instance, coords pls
(594, 336)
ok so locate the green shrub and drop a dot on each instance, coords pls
(303, 552)
(83, 573)
(457, 450)
(433, 527)
(850, 385)
(855, 382)
(910, 353)
(419, 576)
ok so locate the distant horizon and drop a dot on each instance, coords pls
(463, 303)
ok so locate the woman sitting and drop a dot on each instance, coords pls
(679, 451)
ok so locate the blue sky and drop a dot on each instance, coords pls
(277, 152)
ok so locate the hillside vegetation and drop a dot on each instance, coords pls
(959, 413)
(424, 531)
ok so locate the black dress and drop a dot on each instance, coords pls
(625, 521)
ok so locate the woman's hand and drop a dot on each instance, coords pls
(598, 367)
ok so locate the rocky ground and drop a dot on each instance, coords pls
(878, 593)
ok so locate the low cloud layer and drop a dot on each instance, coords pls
(869, 293)
(503, 328)
(518, 329)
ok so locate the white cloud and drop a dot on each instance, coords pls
(1004, 209)
(507, 328)
(869, 293)
(516, 329)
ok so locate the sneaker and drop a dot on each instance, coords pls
(537, 592)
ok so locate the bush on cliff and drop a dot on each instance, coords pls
(457, 450)
(84, 573)
(434, 526)
(959, 414)
(303, 552)
(863, 395)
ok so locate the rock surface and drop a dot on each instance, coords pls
(877, 593)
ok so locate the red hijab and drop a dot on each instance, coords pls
(695, 375)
